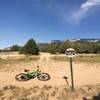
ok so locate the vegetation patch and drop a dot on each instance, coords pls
(21, 60)
(50, 93)
(79, 58)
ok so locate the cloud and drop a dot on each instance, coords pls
(62, 10)
(83, 11)
(89, 4)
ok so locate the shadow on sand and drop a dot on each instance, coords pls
(94, 97)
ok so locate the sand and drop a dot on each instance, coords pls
(84, 73)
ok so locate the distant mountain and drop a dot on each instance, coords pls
(74, 40)
(91, 40)
(56, 41)
(88, 40)
(5, 49)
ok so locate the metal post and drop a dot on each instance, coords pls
(71, 69)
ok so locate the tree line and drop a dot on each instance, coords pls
(31, 48)
(79, 46)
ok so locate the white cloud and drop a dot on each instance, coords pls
(83, 11)
(89, 4)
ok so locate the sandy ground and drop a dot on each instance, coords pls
(84, 73)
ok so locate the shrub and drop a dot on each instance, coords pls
(30, 48)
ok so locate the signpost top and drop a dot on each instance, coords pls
(70, 52)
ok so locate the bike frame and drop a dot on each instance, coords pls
(32, 73)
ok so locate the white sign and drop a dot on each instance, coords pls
(70, 52)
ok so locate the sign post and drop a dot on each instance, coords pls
(71, 53)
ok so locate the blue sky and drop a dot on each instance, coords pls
(46, 20)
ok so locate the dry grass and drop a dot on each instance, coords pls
(86, 71)
(21, 60)
(50, 93)
(79, 58)
(9, 64)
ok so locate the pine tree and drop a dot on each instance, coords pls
(30, 48)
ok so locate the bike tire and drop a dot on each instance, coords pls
(43, 77)
(22, 77)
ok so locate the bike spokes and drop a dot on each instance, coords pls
(43, 77)
(22, 77)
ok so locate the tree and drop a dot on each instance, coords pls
(79, 46)
(30, 48)
(15, 48)
(64, 46)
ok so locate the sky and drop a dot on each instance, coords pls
(46, 20)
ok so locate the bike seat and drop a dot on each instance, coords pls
(26, 70)
(65, 77)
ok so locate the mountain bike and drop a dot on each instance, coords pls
(27, 75)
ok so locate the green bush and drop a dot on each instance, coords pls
(30, 48)
(15, 48)
(79, 46)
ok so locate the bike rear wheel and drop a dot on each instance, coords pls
(22, 77)
(43, 77)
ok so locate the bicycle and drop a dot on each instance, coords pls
(27, 75)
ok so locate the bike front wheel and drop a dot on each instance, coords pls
(22, 77)
(43, 77)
